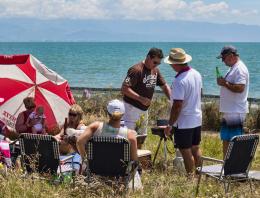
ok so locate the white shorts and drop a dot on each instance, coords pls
(132, 115)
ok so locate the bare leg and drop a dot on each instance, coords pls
(188, 160)
(225, 147)
(196, 155)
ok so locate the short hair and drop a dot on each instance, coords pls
(155, 52)
(75, 108)
(29, 102)
(115, 116)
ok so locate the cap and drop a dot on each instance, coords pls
(227, 50)
(115, 106)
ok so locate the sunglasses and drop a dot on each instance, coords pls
(224, 57)
(31, 107)
(73, 114)
(156, 63)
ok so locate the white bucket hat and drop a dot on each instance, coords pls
(177, 56)
(116, 106)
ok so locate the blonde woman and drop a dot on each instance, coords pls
(74, 127)
(116, 110)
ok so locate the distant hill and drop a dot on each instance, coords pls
(19, 30)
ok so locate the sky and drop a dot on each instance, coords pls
(213, 11)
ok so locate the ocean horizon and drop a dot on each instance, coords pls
(105, 64)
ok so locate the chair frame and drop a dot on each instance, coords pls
(130, 167)
(227, 179)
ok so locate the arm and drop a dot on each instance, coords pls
(166, 89)
(20, 127)
(236, 88)
(59, 136)
(84, 137)
(131, 135)
(129, 92)
(43, 126)
(175, 112)
(28, 122)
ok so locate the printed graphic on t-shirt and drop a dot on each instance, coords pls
(150, 80)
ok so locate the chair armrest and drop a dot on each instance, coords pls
(212, 159)
(14, 142)
(66, 159)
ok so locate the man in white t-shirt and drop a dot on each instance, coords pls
(233, 95)
(186, 115)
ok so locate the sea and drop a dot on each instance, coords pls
(105, 64)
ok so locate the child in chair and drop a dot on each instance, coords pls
(37, 120)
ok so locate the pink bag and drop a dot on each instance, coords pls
(5, 153)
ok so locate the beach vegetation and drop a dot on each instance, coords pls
(158, 182)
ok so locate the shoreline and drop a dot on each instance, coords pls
(78, 91)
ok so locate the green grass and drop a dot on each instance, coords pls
(157, 183)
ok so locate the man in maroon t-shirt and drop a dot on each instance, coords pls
(138, 88)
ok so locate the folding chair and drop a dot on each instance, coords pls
(110, 157)
(159, 130)
(236, 164)
(40, 153)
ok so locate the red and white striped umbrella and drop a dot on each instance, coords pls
(22, 76)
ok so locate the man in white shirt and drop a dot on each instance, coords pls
(233, 95)
(186, 115)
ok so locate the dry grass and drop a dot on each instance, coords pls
(157, 183)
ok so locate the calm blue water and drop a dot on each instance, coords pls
(105, 64)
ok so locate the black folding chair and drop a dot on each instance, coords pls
(40, 153)
(236, 164)
(110, 157)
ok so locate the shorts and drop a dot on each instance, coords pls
(231, 125)
(132, 115)
(227, 133)
(186, 138)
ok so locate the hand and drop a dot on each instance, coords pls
(145, 101)
(58, 137)
(221, 81)
(167, 131)
(33, 122)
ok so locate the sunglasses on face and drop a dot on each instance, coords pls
(31, 107)
(224, 57)
(156, 63)
(72, 114)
